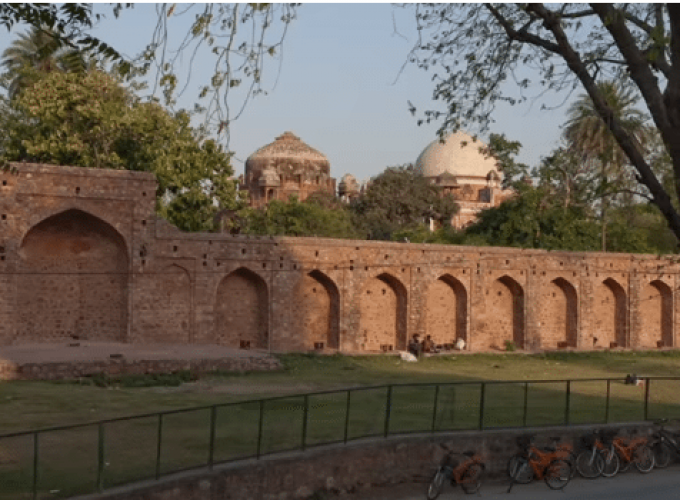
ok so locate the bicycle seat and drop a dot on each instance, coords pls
(469, 453)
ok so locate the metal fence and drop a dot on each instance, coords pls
(59, 462)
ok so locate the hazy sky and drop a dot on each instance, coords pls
(336, 89)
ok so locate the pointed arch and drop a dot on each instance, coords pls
(610, 310)
(383, 313)
(505, 316)
(320, 318)
(560, 315)
(242, 310)
(656, 314)
(446, 310)
(73, 280)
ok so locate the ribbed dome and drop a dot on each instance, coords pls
(459, 155)
(288, 146)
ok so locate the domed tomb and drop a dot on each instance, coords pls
(458, 155)
(462, 168)
(286, 167)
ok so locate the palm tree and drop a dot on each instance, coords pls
(38, 49)
(589, 136)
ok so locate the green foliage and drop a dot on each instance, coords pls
(399, 200)
(313, 217)
(533, 220)
(510, 346)
(90, 120)
(505, 152)
(104, 380)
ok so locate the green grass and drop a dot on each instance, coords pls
(68, 459)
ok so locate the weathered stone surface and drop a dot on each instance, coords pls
(83, 257)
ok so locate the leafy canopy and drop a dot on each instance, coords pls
(473, 50)
(90, 120)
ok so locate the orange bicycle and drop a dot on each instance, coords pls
(624, 452)
(467, 473)
(553, 464)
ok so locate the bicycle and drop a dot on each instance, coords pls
(468, 473)
(552, 464)
(624, 452)
(665, 444)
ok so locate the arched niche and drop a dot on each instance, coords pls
(73, 280)
(446, 310)
(320, 311)
(242, 310)
(655, 308)
(560, 315)
(504, 311)
(609, 313)
(383, 313)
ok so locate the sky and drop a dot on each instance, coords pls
(339, 88)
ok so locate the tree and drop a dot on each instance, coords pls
(482, 46)
(38, 49)
(535, 219)
(589, 136)
(295, 218)
(239, 37)
(90, 120)
(397, 200)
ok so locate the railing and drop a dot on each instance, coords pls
(76, 459)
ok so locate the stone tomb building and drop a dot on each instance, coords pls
(284, 168)
(82, 254)
(459, 167)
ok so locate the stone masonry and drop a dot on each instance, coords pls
(83, 255)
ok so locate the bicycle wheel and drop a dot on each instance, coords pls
(612, 463)
(558, 474)
(662, 454)
(643, 458)
(471, 480)
(590, 465)
(520, 470)
(436, 485)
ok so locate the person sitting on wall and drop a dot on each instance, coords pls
(415, 347)
(428, 345)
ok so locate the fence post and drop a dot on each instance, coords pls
(481, 406)
(606, 408)
(434, 406)
(35, 465)
(388, 407)
(213, 425)
(259, 429)
(100, 459)
(567, 403)
(347, 407)
(526, 404)
(305, 412)
(158, 445)
(647, 382)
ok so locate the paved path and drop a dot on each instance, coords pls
(100, 351)
(658, 485)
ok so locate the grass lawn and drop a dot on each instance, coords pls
(68, 459)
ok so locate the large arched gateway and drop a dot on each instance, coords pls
(72, 281)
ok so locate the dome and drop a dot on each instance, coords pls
(288, 154)
(458, 155)
(348, 184)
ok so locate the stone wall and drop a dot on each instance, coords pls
(83, 254)
(349, 468)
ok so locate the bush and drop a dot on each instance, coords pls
(510, 346)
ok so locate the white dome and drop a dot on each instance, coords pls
(459, 155)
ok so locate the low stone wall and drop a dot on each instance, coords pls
(115, 367)
(343, 468)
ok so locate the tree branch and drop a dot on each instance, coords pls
(521, 36)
